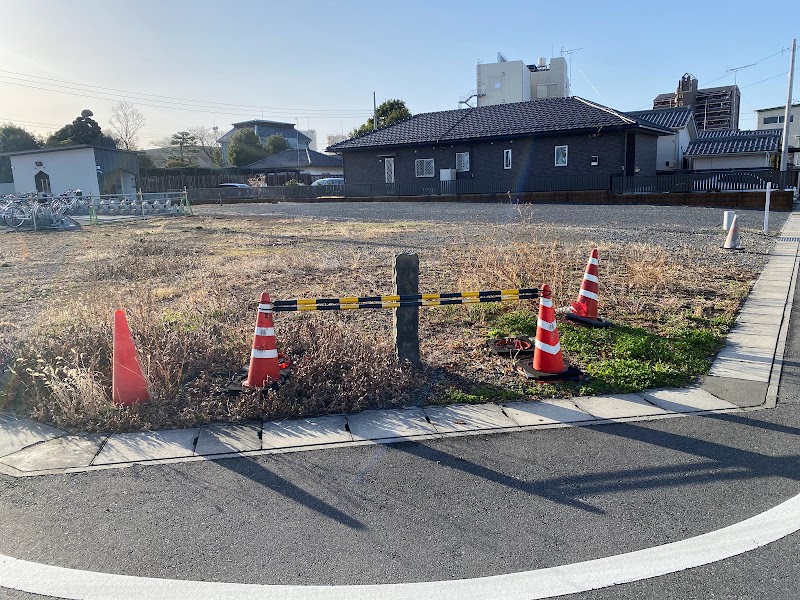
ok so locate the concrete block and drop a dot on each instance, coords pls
(741, 369)
(223, 438)
(329, 429)
(68, 452)
(16, 434)
(147, 445)
(738, 391)
(389, 424)
(744, 341)
(546, 412)
(618, 406)
(759, 355)
(686, 400)
(468, 417)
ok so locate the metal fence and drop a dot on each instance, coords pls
(705, 181)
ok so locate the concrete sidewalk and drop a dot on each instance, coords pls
(744, 377)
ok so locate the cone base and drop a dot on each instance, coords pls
(497, 347)
(739, 248)
(598, 322)
(570, 374)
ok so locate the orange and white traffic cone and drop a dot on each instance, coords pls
(733, 241)
(584, 309)
(264, 364)
(548, 364)
(128, 384)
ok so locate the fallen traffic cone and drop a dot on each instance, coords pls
(584, 309)
(734, 241)
(264, 364)
(128, 385)
(548, 364)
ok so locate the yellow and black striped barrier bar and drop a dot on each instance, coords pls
(356, 302)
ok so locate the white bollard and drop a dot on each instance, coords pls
(766, 208)
(727, 219)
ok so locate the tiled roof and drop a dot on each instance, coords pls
(734, 141)
(292, 159)
(671, 118)
(501, 120)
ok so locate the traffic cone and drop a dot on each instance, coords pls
(128, 385)
(264, 363)
(734, 241)
(584, 309)
(548, 364)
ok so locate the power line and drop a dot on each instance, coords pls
(781, 51)
(168, 99)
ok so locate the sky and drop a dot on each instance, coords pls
(317, 63)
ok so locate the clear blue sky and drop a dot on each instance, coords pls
(319, 62)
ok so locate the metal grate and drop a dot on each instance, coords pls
(787, 239)
(462, 162)
(423, 167)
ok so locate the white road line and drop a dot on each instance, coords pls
(747, 535)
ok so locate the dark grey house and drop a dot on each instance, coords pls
(509, 142)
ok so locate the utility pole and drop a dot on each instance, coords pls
(788, 114)
(374, 112)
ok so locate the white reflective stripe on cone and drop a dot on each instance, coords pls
(590, 277)
(265, 307)
(548, 302)
(548, 348)
(264, 353)
(594, 261)
(546, 325)
(588, 294)
(270, 331)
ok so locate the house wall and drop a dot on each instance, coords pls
(533, 156)
(794, 123)
(7, 188)
(670, 147)
(68, 169)
(752, 161)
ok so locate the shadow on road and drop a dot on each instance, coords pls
(249, 468)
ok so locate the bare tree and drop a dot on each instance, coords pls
(207, 140)
(127, 121)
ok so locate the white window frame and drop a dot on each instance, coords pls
(507, 159)
(596, 161)
(566, 156)
(464, 159)
(425, 167)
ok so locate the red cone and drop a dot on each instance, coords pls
(584, 309)
(548, 363)
(128, 385)
(264, 364)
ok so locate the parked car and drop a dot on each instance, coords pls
(233, 185)
(329, 181)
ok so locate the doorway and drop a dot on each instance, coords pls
(42, 181)
(630, 155)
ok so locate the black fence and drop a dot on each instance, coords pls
(160, 180)
(705, 181)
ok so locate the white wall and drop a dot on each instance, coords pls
(794, 126)
(754, 161)
(671, 148)
(503, 82)
(554, 80)
(323, 170)
(7, 188)
(68, 169)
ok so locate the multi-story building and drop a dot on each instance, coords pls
(771, 118)
(507, 81)
(334, 138)
(263, 130)
(714, 108)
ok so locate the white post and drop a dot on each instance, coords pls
(727, 219)
(766, 208)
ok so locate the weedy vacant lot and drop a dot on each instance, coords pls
(190, 287)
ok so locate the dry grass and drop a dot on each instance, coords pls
(189, 288)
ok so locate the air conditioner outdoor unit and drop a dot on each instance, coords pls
(447, 174)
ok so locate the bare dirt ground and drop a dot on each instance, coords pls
(658, 264)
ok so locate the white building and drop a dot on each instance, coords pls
(772, 118)
(311, 134)
(91, 169)
(670, 149)
(334, 138)
(508, 81)
(734, 149)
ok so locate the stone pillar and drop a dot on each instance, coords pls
(406, 319)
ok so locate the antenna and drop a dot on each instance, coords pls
(570, 53)
(735, 70)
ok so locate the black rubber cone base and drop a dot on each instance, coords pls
(571, 374)
(510, 347)
(599, 322)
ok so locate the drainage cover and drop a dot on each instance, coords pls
(787, 239)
